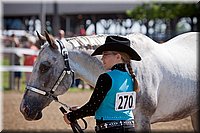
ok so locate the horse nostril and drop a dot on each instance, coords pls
(26, 110)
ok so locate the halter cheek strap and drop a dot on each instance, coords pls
(62, 75)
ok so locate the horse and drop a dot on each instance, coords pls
(167, 76)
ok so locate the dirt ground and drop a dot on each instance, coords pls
(52, 119)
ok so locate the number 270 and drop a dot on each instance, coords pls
(124, 101)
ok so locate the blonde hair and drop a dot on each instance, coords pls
(126, 59)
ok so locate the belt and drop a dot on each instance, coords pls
(114, 124)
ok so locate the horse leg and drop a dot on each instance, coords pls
(143, 113)
(142, 122)
(195, 121)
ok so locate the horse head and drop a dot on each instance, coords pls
(51, 76)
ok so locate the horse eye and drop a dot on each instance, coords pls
(44, 66)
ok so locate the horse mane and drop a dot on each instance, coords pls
(139, 41)
(87, 42)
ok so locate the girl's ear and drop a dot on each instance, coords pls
(119, 56)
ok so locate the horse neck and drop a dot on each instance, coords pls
(86, 67)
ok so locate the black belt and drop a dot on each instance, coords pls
(110, 124)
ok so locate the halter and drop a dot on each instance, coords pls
(66, 70)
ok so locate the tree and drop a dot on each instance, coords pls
(171, 13)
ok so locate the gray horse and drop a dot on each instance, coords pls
(167, 75)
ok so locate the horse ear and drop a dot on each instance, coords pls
(42, 39)
(50, 40)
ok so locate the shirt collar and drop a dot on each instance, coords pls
(120, 66)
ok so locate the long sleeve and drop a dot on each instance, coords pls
(103, 85)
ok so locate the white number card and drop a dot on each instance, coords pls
(125, 101)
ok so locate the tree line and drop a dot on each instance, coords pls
(168, 13)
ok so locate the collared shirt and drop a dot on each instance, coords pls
(102, 87)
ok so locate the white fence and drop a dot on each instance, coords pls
(18, 51)
(10, 51)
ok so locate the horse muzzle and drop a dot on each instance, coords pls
(29, 114)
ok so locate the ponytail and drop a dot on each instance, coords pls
(126, 59)
(136, 85)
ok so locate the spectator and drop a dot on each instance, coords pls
(16, 61)
(61, 37)
(30, 59)
(15, 40)
(82, 30)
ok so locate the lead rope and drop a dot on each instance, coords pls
(74, 125)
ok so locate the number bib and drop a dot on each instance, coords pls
(125, 101)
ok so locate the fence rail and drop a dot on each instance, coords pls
(16, 68)
(11, 68)
(18, 51)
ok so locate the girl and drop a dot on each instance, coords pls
(113, 98)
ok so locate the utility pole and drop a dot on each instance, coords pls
(56, 20)
(42, 15)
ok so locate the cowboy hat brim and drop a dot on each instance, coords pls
(117, 47)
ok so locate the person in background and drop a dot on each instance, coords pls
(61, 37)
(82, 30)
(17, 74)
(30, 59)
(113, 87)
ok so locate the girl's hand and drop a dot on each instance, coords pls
(75, 107)
(66, 119)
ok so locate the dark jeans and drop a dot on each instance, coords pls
(119, 129)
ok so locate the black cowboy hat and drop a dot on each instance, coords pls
(117, 43)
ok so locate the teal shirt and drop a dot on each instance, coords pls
(121, 82)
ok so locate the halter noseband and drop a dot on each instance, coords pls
(66, 70)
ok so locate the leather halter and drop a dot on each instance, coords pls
(66, 70)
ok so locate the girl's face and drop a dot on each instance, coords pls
(110, 58)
